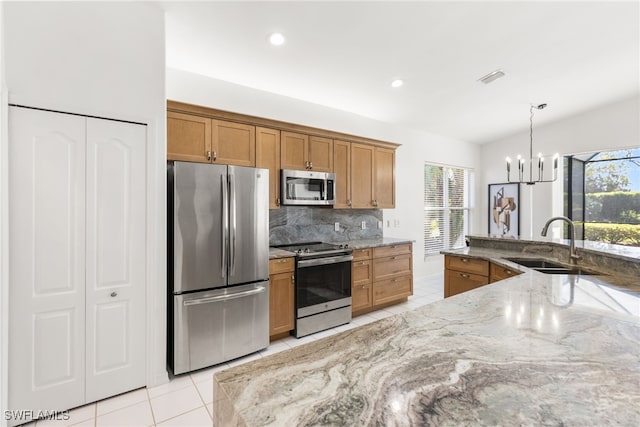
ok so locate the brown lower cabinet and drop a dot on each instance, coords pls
(462, 274)
(361, 280)
(281, 297)
(381, 276)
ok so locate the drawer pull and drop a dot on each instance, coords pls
(464, 260)
(466, 276)
(394, 280)
(508, 271)
(361, 262)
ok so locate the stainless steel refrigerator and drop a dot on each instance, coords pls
(218, 263)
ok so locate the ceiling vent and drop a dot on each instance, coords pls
(494, 75)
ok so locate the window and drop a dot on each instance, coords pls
(446, 207)
(602, 196)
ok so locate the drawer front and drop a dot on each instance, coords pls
(386, 251)
(456, 282)
(281, 265)
(498, 272)
(359, 254)
(467, 265)
(392, 289)
(361, 296)
(386, 268)
(361, 271)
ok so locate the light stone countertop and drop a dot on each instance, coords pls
(275, 253)
(534, 349)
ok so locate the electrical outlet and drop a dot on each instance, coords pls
(364, 225)
(379, 224)
(336, 226)
(396, 223)
(388, 223)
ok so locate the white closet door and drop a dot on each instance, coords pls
(47, 260)
(116, 257)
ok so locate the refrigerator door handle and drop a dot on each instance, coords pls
(232, 214)
(225, 223)
(219, 298)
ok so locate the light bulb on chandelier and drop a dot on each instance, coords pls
(523, 162)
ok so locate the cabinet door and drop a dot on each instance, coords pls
(320, 154)
(268, 156)
(115, 262)
(361, 296)
(47, 246)
(233, 143)
(281, 303)
(362, 176)
(384, 178)
(456, 282)
(188, 137)
(393, 289)
(294, 151)
(342, 167)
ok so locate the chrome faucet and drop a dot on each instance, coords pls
(573, 256)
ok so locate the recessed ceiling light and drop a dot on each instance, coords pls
(276, 39)
(397, 83)
(494, 75)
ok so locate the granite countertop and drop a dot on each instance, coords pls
(534, 349)
(275, 253)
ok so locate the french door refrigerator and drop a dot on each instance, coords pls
(218, 263)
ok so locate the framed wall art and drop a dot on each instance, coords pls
(504, 209)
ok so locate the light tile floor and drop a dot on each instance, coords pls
(187, 400)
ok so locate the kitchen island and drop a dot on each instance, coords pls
(534, 349)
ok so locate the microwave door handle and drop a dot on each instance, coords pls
(225, 223)
(232, 215)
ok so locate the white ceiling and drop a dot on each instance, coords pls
(572, 55)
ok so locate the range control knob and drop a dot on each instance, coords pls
(307, 250)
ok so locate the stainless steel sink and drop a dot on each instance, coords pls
(550, 267)
(536, 263)
(566, 270)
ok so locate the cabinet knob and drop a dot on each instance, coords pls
(466, 276)
(464, 260)
(209, 155)
(349, 202)
(277, 201)
(293, 278)
(215, 156)
(310, 165)
(114, 294)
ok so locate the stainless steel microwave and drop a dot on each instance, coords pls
(307, 187)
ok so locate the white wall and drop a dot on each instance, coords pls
(610, 127)
(4, 228)
(417, 147)
(103, 59)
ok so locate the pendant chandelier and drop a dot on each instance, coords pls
(531, 179)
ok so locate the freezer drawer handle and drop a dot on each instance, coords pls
(226, 297)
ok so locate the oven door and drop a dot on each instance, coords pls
(323, 284)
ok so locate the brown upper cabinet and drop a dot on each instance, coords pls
(342, 168)
(268, 156)
(364, 167)
(194, 138)
(300, 151)
(233, 143)
(188, 137)
(372, 177)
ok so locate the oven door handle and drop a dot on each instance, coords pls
(324, 261)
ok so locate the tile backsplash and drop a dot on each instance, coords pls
(293, 224)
